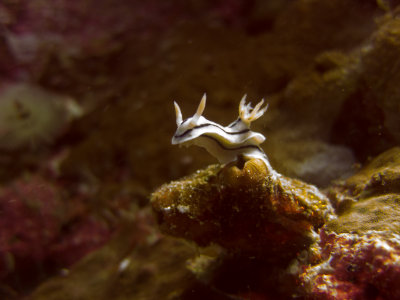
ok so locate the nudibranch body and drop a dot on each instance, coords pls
(224, 143)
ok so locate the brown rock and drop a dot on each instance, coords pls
(250, 209)
(357, 256)
(370, 199)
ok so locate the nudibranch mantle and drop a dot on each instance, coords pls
(224, 143)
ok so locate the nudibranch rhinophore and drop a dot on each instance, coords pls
(224, 143)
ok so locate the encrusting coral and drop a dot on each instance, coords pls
(242, 209)
(358, 252)
(354, 266)
(369, 199)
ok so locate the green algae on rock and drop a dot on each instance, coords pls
(369, 200)
(247, 210)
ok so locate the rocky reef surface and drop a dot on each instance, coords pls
(248, 210)
(274, 219)
(76, 179)
(359, 252)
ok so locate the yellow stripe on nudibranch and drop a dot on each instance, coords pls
(225, 143)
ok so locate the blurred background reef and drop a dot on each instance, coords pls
(86, 119)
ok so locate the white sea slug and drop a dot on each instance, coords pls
(224, 143)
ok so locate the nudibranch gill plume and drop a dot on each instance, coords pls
(225, 143)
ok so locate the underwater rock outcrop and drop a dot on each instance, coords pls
(358, 253)
(248, 210)
(354, 266)
(369, 199)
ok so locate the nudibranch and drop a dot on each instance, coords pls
(228, 143)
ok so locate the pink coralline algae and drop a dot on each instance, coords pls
(355, 266)
(81, 237)
(40, 233)
(358, 255)
(30, 220)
